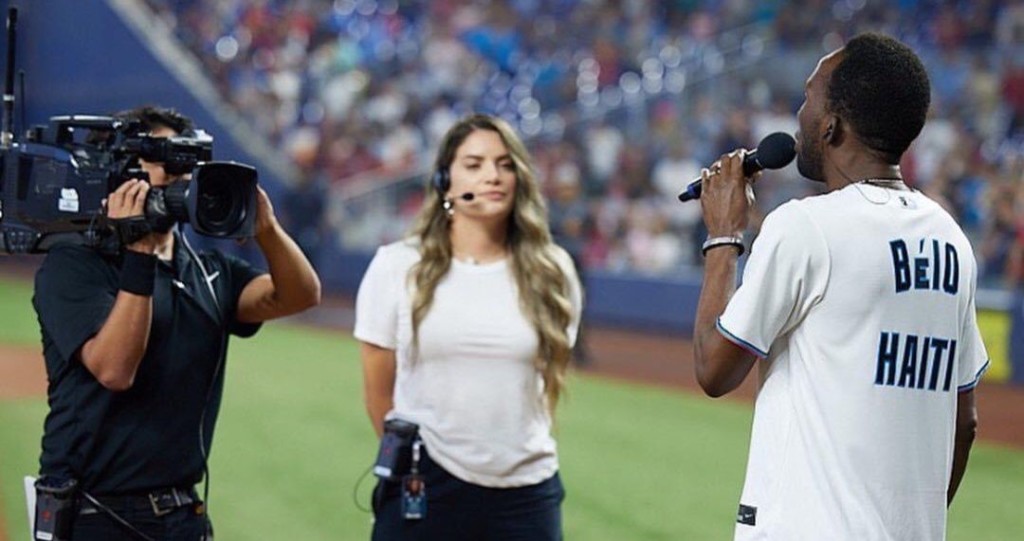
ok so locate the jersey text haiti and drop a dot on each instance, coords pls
(908, 360)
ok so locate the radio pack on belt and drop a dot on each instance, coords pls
(56, 506)
(395, 453)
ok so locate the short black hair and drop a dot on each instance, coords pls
(151, 117)
(881, 88)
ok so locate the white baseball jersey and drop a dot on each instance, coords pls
(474, 389)
(861, 304)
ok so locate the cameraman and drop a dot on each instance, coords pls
(135, 344)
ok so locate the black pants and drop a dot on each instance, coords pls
(457, 510)
(181, 524)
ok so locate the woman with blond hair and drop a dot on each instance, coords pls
(467, 328)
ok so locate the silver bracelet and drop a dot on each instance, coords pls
(731, 240)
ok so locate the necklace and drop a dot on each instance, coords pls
(894, 183)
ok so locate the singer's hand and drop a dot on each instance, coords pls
(727, 196)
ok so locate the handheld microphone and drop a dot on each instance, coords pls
(775, 151)
(468, 196)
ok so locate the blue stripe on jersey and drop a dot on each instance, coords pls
(974, 383)
(739, 341)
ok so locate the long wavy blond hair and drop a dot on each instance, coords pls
(543, 286)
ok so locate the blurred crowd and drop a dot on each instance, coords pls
(623, 101)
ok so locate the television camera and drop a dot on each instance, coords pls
(53, 184)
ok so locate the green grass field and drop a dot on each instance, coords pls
(292, 442)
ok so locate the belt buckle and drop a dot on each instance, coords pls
(155, 504)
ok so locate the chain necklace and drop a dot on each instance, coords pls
(895, 184)
(891, 183)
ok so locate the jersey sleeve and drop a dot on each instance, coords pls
(973, 358)
(377, 302)
(240, 272)
(785, 276)
(74, 292)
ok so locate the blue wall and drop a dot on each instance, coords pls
(657, 304)
(1016, 349)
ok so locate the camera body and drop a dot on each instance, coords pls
(53, 184)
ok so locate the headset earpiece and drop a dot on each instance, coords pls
(441, 181)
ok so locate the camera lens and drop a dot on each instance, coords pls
(219, 207)
(223, 199)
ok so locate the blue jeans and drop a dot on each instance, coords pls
(457, 510)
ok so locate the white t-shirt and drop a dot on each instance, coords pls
(474, 390)
(862, 302)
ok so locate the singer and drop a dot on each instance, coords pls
(466, 329)
(859, 304)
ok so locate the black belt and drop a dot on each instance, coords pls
(160, 502)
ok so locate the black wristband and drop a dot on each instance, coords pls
(138, 272)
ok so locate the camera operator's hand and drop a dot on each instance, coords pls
(129, 200)
(265, 219)
(292, 284)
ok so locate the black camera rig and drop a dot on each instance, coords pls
(53, 184)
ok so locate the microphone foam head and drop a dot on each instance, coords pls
(776, 150)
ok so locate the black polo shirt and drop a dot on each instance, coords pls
(148, 436)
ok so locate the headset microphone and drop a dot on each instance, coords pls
(468, 196)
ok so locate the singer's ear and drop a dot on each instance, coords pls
(831, 129)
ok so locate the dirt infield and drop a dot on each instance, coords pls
(21, 375)
(21, 372)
